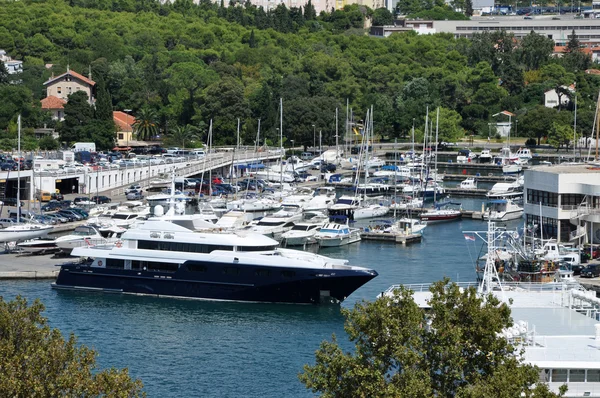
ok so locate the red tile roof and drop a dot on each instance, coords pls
(563, 49)
(592, 71)
(123, 121)
(53, 102)
(75, 75)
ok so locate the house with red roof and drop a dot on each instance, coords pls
(68, 83)
(124, 123)
(55, 106)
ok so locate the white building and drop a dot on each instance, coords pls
(567, 198)
(12, 65)
(551, 97)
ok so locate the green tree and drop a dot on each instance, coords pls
(452, 350)
(145, 126)
(4, 77)
(382, 16)
(104, 110)
(47, 143)
(535, 50)
(78, 116)
(181, 135)
(469, 8)
(38, 361)
(575, 59)
(537, 122)
(559, 135)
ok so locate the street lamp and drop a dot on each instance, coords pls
(314, 136)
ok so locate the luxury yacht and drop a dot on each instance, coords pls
(163, 259)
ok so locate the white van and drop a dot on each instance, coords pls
(197, 153)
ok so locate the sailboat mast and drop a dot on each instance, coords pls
(281, 144)
(19, 171)
(437, 123)
(337, 149)
(209, 151)
(237, 146)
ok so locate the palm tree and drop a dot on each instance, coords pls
(183, 134)
(146, 124)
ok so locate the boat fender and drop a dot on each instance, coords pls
(100, 263)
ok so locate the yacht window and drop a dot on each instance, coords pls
(114, 263)
(576, 375)
(330, 231)
(196, 268)
(290, 224)
(593, 375)
(262, 272)
(81, 231)
(120, 216)
(300, 228)
(255, 248)
(231, 270)
(162, 267)
(559, 375)
(181, 246)
(270, 224)
(288, 274)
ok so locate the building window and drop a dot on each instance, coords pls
(120, 136)
(576, 375)
(559, 375)
(59, 90)
(70, 89)
(593, 375)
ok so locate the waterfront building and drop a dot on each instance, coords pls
(567, 198)
(13, 66)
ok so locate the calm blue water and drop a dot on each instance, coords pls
(193, 348)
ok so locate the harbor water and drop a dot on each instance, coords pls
(187, 348)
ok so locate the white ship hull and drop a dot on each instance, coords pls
(24, 232)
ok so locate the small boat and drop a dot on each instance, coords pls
(276, 224)
(324, 197)
(334, 234)
(84, 235)
(503, 210)
(412, 225)
(485, 156)
(35, 246)
(468, 184)
(22, 232)
(524, 155)
(502, 190)
(441, 212)
(303, 232)
(512, 168)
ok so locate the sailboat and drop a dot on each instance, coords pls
(21, 232)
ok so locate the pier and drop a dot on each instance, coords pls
(402, 238)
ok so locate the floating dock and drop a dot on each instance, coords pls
(391, 237)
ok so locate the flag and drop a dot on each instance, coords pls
(469, 237)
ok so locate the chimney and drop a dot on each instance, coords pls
(90, 72)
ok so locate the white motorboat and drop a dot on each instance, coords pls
(85, 235)
(503, 210)
(485, 156)
(163, 199)
(524, 155)
(468, 184)
(334, 234)
(303, 232)
(406, 203)
(38, 245)
(276, 224)
(412, 225)
(393, 171)
(512, 189)
(274, 176)
(22, 232)
(324, 197)
(512, 168)
(253, 204)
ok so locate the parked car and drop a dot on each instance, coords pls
(51, 206)
(7, 222)
(80, 199)
(10, 202)
(135, 195)
(590, 271)
(133, 188)
(328, 167)
(100, 199)
(57, 196)
(58, 217)
(71, 214)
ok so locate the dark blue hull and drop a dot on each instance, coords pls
(229, 282)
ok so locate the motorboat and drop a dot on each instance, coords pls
(524, 155)
(334, 234)
(502, 210)
(22, 232)
(485, 156)
(276, 224)
(406, 203)
(468, 184)
(274, 176)
(512, 168)
(511, 190)
(412, 225)
(323, 198)
(303, 232)
(164, 198)
(252, 203)
(84, 235)
(393, 171)
(36, 246)
(163, 259)
(355, 208)
(373, 188)
(442, 212)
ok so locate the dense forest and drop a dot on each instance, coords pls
(178, 66)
